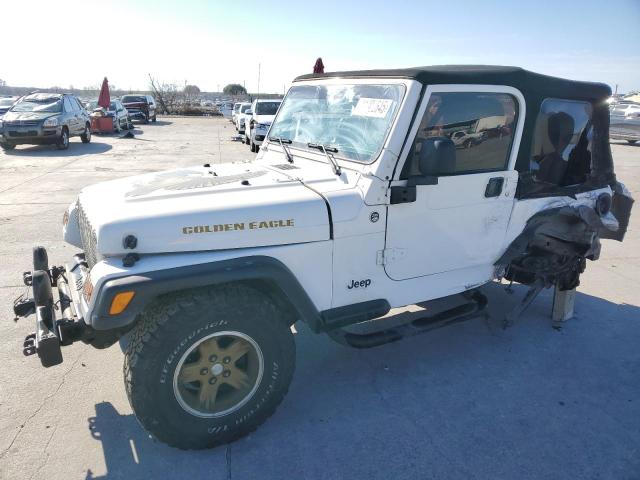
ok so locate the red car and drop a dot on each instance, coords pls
(140, 107)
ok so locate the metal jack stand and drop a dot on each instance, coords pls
(529, 297)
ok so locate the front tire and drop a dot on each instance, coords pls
(63, 142)
(86, 136)
(196, 379)
(7, 146)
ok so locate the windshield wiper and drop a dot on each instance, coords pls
(325, 149)
(282, 141)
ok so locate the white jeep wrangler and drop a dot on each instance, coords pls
(358, 202)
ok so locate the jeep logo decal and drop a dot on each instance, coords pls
(359, 284)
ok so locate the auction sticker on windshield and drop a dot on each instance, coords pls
(372, 107)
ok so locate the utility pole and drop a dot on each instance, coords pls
(258, 94)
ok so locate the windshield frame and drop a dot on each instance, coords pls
(387, 82)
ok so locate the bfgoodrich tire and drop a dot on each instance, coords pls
(207, 367)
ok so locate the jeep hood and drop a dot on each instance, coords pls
(194, 209)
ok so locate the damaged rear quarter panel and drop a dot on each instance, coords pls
(523, 210)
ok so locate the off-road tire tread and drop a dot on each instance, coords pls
(160, 312)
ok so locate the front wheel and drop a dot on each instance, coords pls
(86, 136)
(154, 120)
(7, 146)
(198, 376)
(631, 142)
(63, 141)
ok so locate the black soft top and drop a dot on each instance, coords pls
(529, 83)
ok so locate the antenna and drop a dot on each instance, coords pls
(258, 94)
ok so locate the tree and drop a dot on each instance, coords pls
(191, 93)
(234, 89)
(166, 94)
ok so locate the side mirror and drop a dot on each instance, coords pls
(437, 157)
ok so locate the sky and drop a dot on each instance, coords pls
(212, 43)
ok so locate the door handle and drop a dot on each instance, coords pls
(494, 187)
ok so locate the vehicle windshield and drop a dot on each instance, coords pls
(44, 104)
(244, 108)
(6, 102)
(354, 119)
(266, 108)
(133, 99)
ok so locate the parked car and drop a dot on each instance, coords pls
(354, 209)
(45, 118)
(262, 114)
(120, 115)
(140, 107)
(234, 112)
(226, 109)
(462, 139)
(624, 122)
(241, 118)
(6, 103)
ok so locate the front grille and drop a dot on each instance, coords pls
(21, 123)
(26, 133)
(88, 237)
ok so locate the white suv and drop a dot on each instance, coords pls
(243, 114)
(262, 114)
(358, 203)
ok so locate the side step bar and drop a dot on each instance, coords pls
(476, 303)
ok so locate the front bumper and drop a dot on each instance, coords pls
(137, 114)
(35, 134)
(58, 323)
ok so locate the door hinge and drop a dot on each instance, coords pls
(389, 255)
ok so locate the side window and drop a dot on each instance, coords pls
(76, 104)
(480, 126)
(561, 147)
(68, 107)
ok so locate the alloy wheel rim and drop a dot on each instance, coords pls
(218, 374)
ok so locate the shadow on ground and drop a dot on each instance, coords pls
(75, 149)
(468, 401)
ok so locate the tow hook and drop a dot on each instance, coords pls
(29, 345)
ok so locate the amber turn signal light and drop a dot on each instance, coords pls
(120, 302)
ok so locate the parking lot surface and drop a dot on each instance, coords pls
(472, 401)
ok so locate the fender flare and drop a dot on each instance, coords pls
(150, 286)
